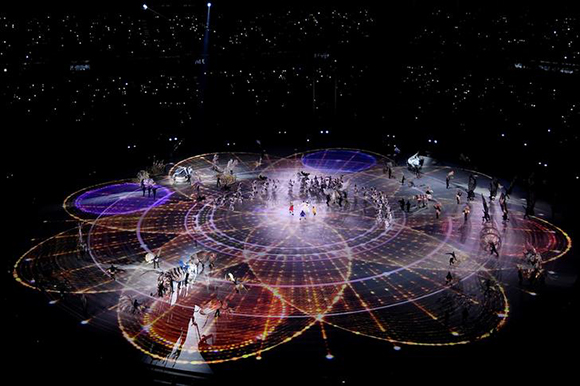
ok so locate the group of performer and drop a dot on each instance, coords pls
(310, 190)
(384, 213)
(531, 267)
(305, 209)
(148, 186)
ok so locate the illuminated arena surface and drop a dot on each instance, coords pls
(108, 199)
(340, 268)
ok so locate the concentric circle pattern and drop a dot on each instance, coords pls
(249, 274)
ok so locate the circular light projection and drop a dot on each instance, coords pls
(255, 276)
(339, 161)
(117, 199)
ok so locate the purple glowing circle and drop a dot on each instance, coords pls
(119, 199)
(339, 161)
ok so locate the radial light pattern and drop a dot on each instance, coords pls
(265, 275)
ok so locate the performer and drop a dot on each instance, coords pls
(154, 189)
(472, 184)
(237, 284)
(448, 178)
(493, 188)
(453, 258)
(486, 216)
(437, 210)
(135, 306)
(112, 271)
(505, 215)
(448, 278)
(466, 211)
(493, 249)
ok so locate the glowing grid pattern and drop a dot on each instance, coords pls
(337, 269)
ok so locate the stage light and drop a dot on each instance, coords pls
(329, 356)
(209, 5)
(145, 7)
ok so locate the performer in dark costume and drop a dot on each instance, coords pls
(486, 216)
(453, 258)
(471, 187)
(493, 249)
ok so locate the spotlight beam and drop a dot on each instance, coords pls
(208, 15)
(148, 8)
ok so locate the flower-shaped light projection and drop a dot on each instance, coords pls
(263, 276)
